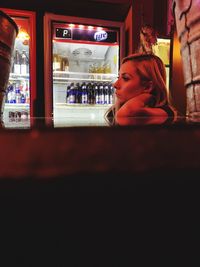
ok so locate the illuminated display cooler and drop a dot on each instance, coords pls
(82, 58)
(21, 90)
(162, 49)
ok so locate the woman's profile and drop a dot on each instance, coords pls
(140, 89)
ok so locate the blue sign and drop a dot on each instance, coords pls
(100, 36)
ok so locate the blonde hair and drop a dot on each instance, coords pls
(151, 68)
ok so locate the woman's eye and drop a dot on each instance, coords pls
(125, 78)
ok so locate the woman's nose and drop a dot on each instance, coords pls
(116, 84)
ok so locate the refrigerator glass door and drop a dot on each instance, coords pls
(162, 49)
(17, 105)
(83, 73)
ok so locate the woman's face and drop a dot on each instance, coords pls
(129, 83)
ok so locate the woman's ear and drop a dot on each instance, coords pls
(148, 86)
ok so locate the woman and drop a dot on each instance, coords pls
(141, 89)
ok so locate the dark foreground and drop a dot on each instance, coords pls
(100, 196)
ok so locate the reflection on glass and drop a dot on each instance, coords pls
(151, 120)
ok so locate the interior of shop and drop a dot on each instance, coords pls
(59, 154)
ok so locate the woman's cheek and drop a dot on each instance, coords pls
(130, 93)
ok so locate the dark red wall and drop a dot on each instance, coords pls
(152, 12)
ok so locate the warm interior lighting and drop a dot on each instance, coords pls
(162, 49)
(71, 25)
(99, 28)
(90, 27)
(23, 36)
(177, 50)
(81, 26)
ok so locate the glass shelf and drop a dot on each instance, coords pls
(62, 76)
(10, 106)
(14, 77)
(79, 105)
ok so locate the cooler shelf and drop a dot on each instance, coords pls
(14, 77)
(82, 106)
(62, 76)
(15, 106)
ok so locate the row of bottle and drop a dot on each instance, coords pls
(90, 93)
(62, 64)
(17, 93)
(100, 68)
(17, 116)
(20, 63)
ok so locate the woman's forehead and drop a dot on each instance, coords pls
(128, 67)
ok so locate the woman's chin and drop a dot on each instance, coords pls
(119, 100)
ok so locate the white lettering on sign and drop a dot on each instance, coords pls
(65, 32)
(100, 36)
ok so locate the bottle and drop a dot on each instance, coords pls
(9, 94)
(78, 93)
(67, 94)
(101, 94)
(111, 92)
(89, 91)
(64, 64)
(17, 94)
(106, 94)
(107, 68)
(12, 95)
(84, 94)
(27, 62)
(17, 62)
(24, 90)
(72, 97)
(23, 87)
(27, 95)
(93, 94)
(56, 62)
(24, 63)
(23, 99)
(101, 68)
(96, 88)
